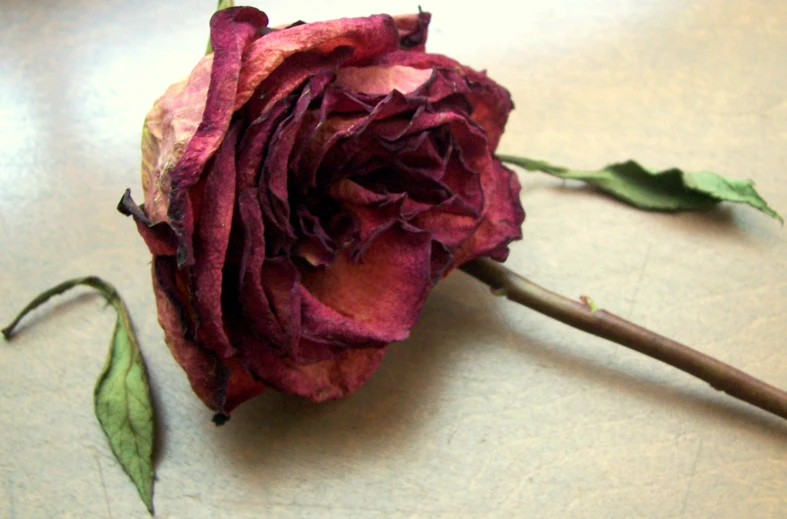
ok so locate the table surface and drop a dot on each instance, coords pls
(488, 410)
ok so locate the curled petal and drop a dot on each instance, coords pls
(490, 102)
(231, 31)
(413, 30)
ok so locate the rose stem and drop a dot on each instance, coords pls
(584, 316)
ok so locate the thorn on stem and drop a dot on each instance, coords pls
(589, 303)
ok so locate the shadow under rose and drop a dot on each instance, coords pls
(397, 408)
(389, 411)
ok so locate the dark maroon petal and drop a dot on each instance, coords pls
(281, 283)
(450, 222)
(255, 142)
(275, 181)
(373, 212)
(293, 73)
(323, 324)
(442, 260)
(210, 245)
(254, 302)
(321, 148)
(315, 245)
(327, 379)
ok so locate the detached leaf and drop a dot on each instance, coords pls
(668, 190)
(122, 394)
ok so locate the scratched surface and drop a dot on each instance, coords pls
(487, 410)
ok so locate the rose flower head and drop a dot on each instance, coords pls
(305, 188)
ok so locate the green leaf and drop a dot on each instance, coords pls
(668, 190)
(122, 394)
(222, 4)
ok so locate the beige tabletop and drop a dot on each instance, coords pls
(488, 410)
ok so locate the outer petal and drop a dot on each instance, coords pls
(503, 217)
(169, 126)
(370, 38)
(231, 31)
(221, 386)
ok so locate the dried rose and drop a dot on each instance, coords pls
(305, 188)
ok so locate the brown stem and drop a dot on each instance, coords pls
(584, 316)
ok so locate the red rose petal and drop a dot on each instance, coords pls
(254, 303)
(220, 386)
(210, 244)
(370, 37)
(231, 31)
(386, 289)
(503, 217)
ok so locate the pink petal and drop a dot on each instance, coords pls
(381, 80)
(169, 126)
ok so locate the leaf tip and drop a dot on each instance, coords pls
(149, 503)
